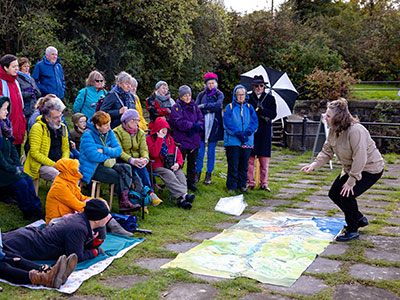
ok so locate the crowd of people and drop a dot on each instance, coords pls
(111, 142)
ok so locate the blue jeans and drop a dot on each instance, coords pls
(210, 157)
(144, 176)
(238, 161)
(25, 192)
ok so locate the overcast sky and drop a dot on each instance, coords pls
(251, 5)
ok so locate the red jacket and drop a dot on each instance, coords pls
(16, 115)
(154, 143)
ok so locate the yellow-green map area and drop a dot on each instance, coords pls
(270, 247)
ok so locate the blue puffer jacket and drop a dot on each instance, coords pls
(89, 157)
(49, 78)
(239, 118)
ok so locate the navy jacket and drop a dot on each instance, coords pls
(65, 237)
(49, 78)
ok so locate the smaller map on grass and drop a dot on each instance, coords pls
(274, 248)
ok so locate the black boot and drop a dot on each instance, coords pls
(207, 180)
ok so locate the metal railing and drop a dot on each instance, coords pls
(305, 122)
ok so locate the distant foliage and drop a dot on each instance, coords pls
(329, 85)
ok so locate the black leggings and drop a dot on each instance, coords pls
(16, 271)
(349, 204)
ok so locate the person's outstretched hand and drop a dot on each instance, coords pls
(307, 169)
(346, 190)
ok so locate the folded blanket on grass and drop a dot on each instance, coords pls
(114, 246)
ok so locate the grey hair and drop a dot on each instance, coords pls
(53, 104)
(122, 77)
(216, 83)
(50, 49)
(134, 81)
(241, 88)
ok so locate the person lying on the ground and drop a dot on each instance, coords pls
(65, 198)
(70, 235)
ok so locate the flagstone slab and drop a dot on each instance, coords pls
(264, 296)
(324, 265)
(323, 205)
(306, 212)
(285, 195)
(392, 229)
(382, 254)
(181, 247)
(203, 235)
(292, 191)
(241, 217)
(275, 179)
(335, 249)
(323, 197)
(360, 292)
(367, 210)
(190, 291)
(364, 202)
(301, 186)
(275, 202)
(308, 181)
(389, 182)
(374, 196)
(209, 279)
(394, 220)
(123, 282)
(285, 175)
(305, 285)
(386, 242)
(259, 208)
(321, 193)
(153, 264)
(224, 225)
(365, 271)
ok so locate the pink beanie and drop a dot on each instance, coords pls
(210, 76)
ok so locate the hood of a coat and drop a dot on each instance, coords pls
(159, 124)
(234, 99)
(69, 169)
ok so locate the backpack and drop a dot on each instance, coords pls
(139, 194)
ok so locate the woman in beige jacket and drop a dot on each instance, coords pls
(362, 164)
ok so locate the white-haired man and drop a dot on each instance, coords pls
(49, 74)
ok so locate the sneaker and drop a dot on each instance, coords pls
(184, 204)
(154, 199)
(190, 198)
(363, 222)
(207, 180)
(146, 210)
(197, 177)
(265, 188)
(347, 236)
(192, 187)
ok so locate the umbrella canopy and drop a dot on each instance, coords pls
(280, 86)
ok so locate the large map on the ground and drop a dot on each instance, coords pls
(273, 248)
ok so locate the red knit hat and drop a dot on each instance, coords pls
(210, 76)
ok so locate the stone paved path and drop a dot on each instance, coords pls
(375, 257)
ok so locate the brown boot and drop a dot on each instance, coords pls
(53, 277)
(71, 263)
(125, 204)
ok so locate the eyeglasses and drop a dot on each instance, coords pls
(240, 95)
(258, 85)
(57, 117)
(99, 80)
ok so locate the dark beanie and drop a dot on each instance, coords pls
(96, 209)
(183, 90)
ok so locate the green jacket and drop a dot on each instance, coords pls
(39, 142)
(132, 146)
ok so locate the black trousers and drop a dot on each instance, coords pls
(16, 271)
(349, 204)
(190, 155)
(238, 163)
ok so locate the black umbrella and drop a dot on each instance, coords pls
(280, 86)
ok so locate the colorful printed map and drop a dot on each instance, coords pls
(273, 248)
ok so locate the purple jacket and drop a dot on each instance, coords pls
(182, 118)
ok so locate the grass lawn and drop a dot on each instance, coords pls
(172, 225)
(375, 95)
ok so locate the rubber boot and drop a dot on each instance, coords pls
(197, 177)
(115, 227)
(53, 277)
(125, 204)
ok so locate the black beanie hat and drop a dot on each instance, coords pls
(96, 209)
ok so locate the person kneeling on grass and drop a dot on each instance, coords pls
(65, 198)
(168, 162)
(70, 235)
